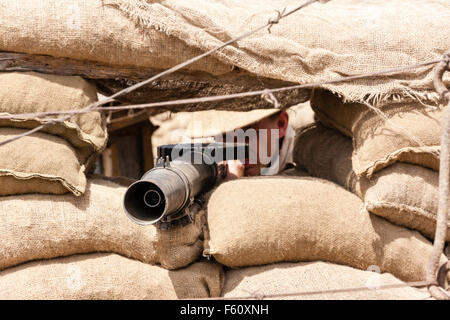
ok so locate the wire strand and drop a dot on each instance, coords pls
(222, 97)
(127, 90)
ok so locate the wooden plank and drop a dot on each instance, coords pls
(180, 85)
(127, 121)
(110, 158)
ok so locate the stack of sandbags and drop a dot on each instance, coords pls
(257, 225)
(301, 48)
(403, 193)
(403, 130)
(36, 227)
(39, 27)
(55, 159)
(108, 276)
(257, 221)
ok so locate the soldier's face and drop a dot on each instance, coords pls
(268, 133)
(263, 140)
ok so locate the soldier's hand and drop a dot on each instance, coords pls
(233, 169)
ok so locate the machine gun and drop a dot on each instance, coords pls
(170, 193)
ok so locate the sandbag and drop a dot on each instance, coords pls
(410, 132)
(314, 44)
(305, 219)
(317, 276)
(40, 163)
(108, 276)
(325, 153)
(64, 28)
(31, 92)
(43, 226)
(404, 194)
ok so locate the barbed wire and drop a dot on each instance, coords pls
(136, 86)
(221, 97)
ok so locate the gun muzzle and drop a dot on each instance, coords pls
(166, 190)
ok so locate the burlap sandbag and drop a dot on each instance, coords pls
(65, 28)
(253, 221)
(40, 163)
(404, 194)
(315, 44)
(43, 226)
(108, 276)
(318, 276)
(410, 132)
(31, 92)
(326, 154)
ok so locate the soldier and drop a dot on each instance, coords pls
(267, 131)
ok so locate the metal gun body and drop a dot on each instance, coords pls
(166, 191)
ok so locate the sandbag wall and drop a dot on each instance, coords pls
(364, 195)
(55, 159)
(64, 231)
(263, 222)
(273, 235)
(389, 157)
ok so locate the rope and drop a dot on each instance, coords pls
(260, 296)
(127, 90)
(434, 281)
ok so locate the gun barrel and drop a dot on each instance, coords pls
(166, 190)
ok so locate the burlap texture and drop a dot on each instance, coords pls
(306, 219)
(410, 132)
(91, 30)
(108, 276)
(326, 154)
(31, 92)
(317, 43)
(404, 194)
(43, 226)
(40, 163)
(283, 278)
